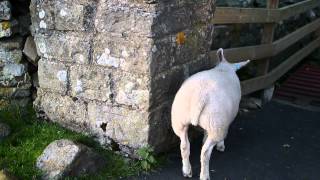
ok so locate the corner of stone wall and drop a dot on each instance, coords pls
(110, 68)
(93, 72)
(182, 39)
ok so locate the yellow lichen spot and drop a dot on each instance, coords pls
(3, 105)
(5, 25)
(125, 142)
(181, 38)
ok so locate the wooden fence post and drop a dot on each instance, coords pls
(267, 38)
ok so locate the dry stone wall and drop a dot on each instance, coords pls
(110, 68)
(15, 80)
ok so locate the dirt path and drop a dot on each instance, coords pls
(279, 142)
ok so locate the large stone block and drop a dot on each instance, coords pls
(74, 15)
(180, 18)
(152, 20)
(5, 10)
(64, 158)
(90, 82)
(69, 112)
(30, 51)
(123, 18)
(131, 89)
(70, 46)
(63, 15)
(53, 76)
(42, 15)
(168, 53)
(125, 126)
(124, 70)
(130, 54)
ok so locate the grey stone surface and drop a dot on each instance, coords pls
(8, 78)
(14, 70)
(69, 46)
(30, 51)
(15, 82)
(53, 76)
(65, 15)
(130, 54)
(12, 43)
(5, 10)
(4, 130)
(63, 158)
(22, 91)
(123, 63)
(131, 89)
(125, 126)
(65, 110)
(10, 56)
(90, 82)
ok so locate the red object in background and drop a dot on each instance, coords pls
(301, 86)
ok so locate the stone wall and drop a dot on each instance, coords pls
(110, 68)
(15, 80)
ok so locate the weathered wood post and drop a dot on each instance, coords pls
(267, 38)
(110, 68)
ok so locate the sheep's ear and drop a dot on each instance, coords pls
(239, 65)
(220, 55)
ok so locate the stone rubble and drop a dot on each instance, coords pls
(30, 51)
(65, 158)
(15, 81)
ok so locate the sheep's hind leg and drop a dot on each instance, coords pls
(205, 136)
(205, 158)
(220, 146)
(185, 153)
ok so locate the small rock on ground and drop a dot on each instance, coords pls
(4, 175)
(63, 158)
(4, 130)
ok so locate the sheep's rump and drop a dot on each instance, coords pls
(209, 99)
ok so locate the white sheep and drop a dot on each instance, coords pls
(211, 100)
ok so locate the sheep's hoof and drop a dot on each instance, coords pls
(221, 148)
(204, 178)
(187, 175)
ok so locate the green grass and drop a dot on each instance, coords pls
(29, 137)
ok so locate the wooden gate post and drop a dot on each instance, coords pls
(267, 38)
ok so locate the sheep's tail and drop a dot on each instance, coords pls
(198, 103)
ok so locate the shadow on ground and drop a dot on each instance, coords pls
(279, 142)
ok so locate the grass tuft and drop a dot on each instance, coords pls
(29, 137)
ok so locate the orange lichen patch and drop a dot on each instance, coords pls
(5, 25)
(181, 38)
